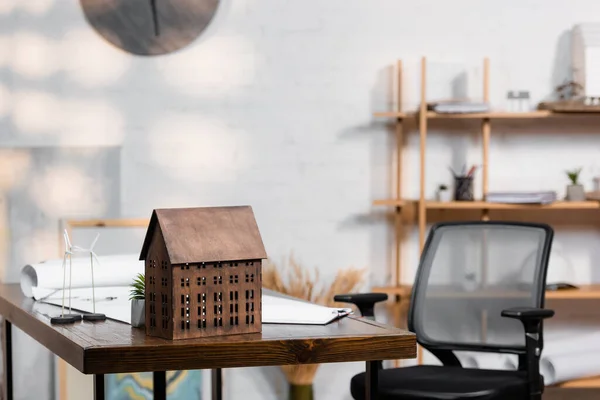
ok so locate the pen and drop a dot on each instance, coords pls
(471, 171)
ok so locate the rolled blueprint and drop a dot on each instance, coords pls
(41, 280)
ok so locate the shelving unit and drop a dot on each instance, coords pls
(422, 210)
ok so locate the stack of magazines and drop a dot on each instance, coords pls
(521, 197)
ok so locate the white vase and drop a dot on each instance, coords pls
(138, 313)
(575, 193)
(444, 195)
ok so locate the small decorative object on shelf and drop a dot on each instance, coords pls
(575, 191)
(443, 194)
(138, 301)
(203, 274)
(93, 316)
(463, 185)
(596, 181)
(302, 284)
(518, 101)
(70, 317)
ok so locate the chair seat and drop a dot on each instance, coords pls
(445, 383)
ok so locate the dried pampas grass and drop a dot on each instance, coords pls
(300, 283)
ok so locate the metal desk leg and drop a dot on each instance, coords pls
(99, 387)
(160, 385)
(372, 392)
(217, 384)
(8, 365)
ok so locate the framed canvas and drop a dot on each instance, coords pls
(181, 385)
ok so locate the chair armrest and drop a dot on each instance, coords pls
(528, 313)
(531, 318)
(364, 301)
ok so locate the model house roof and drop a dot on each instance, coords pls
(207, 234)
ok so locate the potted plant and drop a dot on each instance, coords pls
(575, 191)
(138, 301)
(443, 194)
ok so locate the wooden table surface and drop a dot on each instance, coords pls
(114, 347)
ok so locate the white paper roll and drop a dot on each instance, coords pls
(41, 280)
(481, 360)
(576, 343)
(563, 367)
(466, 358)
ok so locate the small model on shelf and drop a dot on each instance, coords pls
(575, 191)
(70, 317)
(69, 251)
(443, 194)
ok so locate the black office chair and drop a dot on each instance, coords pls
(478, 285)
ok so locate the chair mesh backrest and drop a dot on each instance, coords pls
(469, 273)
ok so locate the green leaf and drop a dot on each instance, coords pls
(138, 291)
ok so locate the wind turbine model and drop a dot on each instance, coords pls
(66, 318)
(93, 316)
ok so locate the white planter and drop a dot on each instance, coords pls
(138, 313)
(444, 195)
(575, 193)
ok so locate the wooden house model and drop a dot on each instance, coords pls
(203, 271)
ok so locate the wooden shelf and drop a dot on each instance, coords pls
(495, 115)
(539, 114)
(390, 202)
(477, 205)
(584, 292)
(482, 205)
(393, 114)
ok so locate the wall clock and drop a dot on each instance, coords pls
(149, 27)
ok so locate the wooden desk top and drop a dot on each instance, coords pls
(114, 347)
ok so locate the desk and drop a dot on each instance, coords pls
(113, 347)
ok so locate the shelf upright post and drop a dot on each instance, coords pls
(399, 147)
(486, 131)
(398, 300)
(486, 128)
(423, 143)
(422, 214)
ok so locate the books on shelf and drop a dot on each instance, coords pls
(459, 107)
(521, 197)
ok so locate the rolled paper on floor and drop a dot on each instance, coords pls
(576, 343)
(511, 362)
(466, 358)
(563, 367)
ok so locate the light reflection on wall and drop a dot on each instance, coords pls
(90, 122)
(5, 49)
(7, 6)
(35, 7)
(66, 121)
(35, 111)
(14, 165)
(4, 101)
(196, 148)
(217, 66)
(90, 61)
(66, 191)
(33, 55)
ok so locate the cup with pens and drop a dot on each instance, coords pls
(463, 184)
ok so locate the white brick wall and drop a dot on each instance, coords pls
(272, 107)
